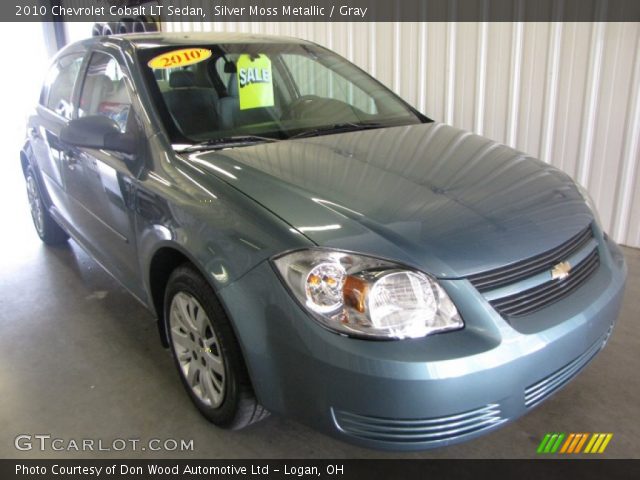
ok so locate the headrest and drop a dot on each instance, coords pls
(101, 82)
(232, 86)
(182, 79)
(119, 93)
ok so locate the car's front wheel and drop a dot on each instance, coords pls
(206, 352)
(48, 230)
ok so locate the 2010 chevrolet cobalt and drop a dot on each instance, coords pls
(314, 246)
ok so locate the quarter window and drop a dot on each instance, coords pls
(105, 92)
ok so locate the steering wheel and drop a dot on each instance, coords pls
(298, 109)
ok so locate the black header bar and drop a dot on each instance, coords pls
(584, 469)
(323, 10)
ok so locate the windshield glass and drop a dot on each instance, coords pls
(205, 93)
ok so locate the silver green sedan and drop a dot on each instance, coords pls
(312, 245)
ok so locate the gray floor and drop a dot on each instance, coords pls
(80, 358)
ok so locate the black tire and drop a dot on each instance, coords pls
(110, 28)
(48, 230)
(125, 25)
(238, 407)
(138, 26)
(149, 24)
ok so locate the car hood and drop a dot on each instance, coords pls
(432, 196)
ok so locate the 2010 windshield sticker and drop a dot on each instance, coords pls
(180, 58)
(255, 82)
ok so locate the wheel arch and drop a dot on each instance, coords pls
(162, 263)
(27, 161)
(164, 260)
(24, 161)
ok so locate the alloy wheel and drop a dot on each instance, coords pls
(35, 204)
(197, 349)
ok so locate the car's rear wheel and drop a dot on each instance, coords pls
(207, 353)
(48, 230)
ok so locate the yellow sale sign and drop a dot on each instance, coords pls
(255, 82)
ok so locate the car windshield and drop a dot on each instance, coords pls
(252, 92)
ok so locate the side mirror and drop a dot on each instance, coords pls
(99, 132)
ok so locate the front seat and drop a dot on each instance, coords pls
(193, 108)
(229, 109)
(96, 88)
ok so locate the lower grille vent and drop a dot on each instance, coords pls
(536, 393)
(418, 430)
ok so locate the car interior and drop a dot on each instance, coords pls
(104, 91)
(202, 98)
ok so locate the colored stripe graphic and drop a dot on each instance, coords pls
(605, 443)
(594, 437)
(581, 442)
(567, 442)
(555, 447)
(598, 443)
(576, 439)
(543, 443)
(573, 443)
(550, 443)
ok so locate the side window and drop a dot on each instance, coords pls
(56, 94)
(104, 91)
(313, 78)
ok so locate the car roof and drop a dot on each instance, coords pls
(158, 39)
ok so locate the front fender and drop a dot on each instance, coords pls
(221, 231)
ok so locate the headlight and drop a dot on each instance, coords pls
(367, 297)
(590, 203)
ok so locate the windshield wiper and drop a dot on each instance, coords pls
(223, 142)
(336, 128)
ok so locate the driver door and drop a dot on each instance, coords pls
(100, 183)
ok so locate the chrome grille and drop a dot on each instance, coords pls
(517, 271)
(418, 430)
(536, 393)
(534, 299)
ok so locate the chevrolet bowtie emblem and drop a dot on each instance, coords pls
(560, 271)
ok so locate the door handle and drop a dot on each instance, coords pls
(70, 159)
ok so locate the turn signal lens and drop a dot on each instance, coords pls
(367, 297)
(355, 293)
(323, 287)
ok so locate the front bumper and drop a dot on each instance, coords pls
(422, 393)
